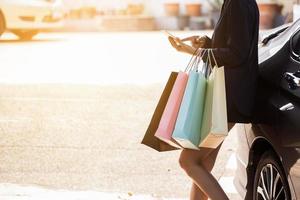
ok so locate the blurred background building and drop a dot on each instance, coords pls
(147, 15)
(27, 18)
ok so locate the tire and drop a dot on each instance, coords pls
(25, 35)
(270, 171)
(2, 23)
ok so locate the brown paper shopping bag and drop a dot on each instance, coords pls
(149, 138)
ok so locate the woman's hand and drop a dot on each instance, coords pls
(196, 43)
(181, 46)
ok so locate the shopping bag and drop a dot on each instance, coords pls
(168, 119)
(149, 138)
(214, 125)
(187, 130)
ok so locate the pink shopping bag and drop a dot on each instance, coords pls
(168, 119)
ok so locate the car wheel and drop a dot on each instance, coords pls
(2, 23)
(25, 35)
(270, 182)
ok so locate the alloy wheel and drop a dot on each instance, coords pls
(270, 184)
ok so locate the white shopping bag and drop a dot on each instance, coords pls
(214, 125)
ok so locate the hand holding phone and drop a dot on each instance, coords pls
(174, 38)
(179, 45)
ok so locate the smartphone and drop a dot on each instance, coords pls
(178, 41)
(170, 35)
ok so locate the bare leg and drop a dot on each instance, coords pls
(209, 161)
(198, 165)
(197, 193)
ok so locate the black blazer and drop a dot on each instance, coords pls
(235, 46)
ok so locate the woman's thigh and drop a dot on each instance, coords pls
(210, 160)
(205, 156)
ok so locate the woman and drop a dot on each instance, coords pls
(234, 44)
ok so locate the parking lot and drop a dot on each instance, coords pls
(73, 110)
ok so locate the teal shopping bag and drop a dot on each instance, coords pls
(187, 130)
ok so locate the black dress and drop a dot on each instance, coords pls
(235, 46)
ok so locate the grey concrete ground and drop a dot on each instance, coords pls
(74, 108)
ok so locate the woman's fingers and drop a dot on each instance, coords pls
(180, 46)
(198, 44)
(188, 49)
(173, 43)
(196, 41)
(176, 44)
(191, 38)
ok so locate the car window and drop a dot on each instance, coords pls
(269, 34)
(273, 35)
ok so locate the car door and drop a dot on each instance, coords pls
(289, 104)
(289, 113)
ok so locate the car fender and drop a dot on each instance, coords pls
(264, 141)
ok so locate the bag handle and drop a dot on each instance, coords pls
(191, 62)
(199, 59)
(215, 61)
(195, 60)
(208, 66)
(209, 58)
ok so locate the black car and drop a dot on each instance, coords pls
(268, 155)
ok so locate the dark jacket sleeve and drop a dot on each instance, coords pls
(238, 36)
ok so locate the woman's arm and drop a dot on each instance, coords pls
(239, 39)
